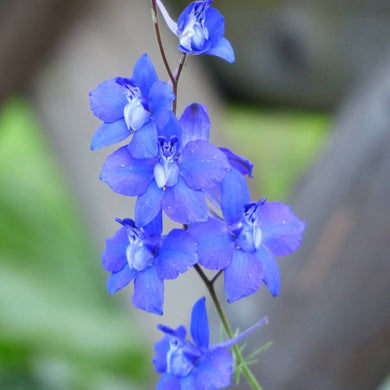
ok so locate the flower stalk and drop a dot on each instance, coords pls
(159, 41)
(174, 78)
(177, 77)
(252, 381)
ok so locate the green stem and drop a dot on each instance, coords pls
(252, 381)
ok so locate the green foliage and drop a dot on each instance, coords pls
(59, 329)
(249, 360)
(282, 144)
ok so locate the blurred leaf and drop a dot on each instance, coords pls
(282, 144)
(57, 321)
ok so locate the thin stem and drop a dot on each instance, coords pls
(216, 276)
(159, 41)
(245, 369)
(174, 78)
(177, 77)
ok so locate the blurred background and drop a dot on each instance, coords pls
(308, 101)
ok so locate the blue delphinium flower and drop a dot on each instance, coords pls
(196, 365)
(200, 29)
(246, 242)
(131, 105)
(148, 258)
(173, 177)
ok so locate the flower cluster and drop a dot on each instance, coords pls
(170, 166)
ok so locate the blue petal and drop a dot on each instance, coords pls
(243, 276)
(193, 37)
(114, 256)
(200, 325)
(108, 100)
(110, 133)
(200, 48)
(214, 370)
(160, 101)
(213, 194)
(215, 24)
(184, 16)
(184, 205)
(161, 349)
(169, 382)
(195, 124)
(281, 229)
(189, 382)
(144, 74)
(271, 270)
(215, 246)
(222, 49)
(171, 128)
(202, 165)
(120, 279)
(144, 142)
(177, 254)
(240, 163)
(127, 175)
(234, 196)
(179, 332)
(148, 205)
(149, 291)
(155, 227)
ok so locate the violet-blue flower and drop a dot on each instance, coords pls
(246, 242)
(195, 365)
(129, 106)
(175, 174)
(148, 258)
(200, 29)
